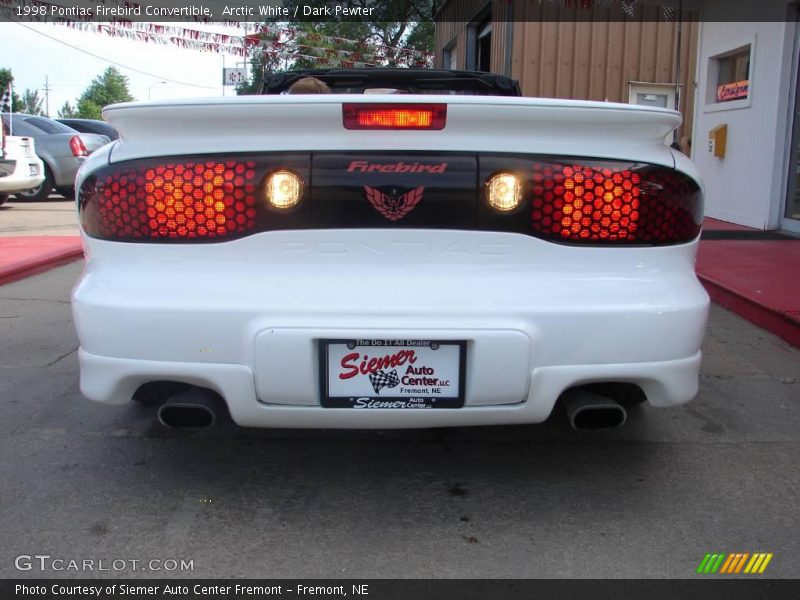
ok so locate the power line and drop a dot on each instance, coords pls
(208, 87)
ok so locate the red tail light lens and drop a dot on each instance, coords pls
(588, 201)
(581, 202)
(568, 200)
(614, 203)
(190, 200)
(77, 146)
(394, 116)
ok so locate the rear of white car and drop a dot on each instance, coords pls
(446, 260)
(20, 168)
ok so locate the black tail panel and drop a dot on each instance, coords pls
(394, 190)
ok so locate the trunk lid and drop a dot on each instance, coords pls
(19, 147)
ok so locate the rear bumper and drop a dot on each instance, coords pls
(65, 169)
(21, 179)
(666, 383)
(244, 318)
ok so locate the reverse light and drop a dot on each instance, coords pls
(394, 116)
(283, 189)
(504, 191)
(77, 146)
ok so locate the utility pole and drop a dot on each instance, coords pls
(675, 139)
(223, 74)
(47, 89)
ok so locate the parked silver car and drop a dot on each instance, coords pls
(91, 126)
(61, 148)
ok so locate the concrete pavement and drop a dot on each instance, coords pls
(82, 480)
(56, 216)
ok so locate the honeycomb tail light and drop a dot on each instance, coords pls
(170, 200)
(213, 199)
(602, 202)
(615, 203)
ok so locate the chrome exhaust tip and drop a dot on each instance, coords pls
(589, 411)
(196, 408)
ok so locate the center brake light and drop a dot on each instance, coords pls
(394, 116)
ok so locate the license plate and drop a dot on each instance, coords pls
(34, 170)
(393, 374)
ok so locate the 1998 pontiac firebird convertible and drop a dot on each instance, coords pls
(442, 252)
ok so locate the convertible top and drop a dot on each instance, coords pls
(408, 81)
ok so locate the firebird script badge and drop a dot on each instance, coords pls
(392, 206)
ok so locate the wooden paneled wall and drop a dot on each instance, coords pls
(595, 58)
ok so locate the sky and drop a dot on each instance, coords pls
(32, 57)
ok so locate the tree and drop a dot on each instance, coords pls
(263, 63)
(396, 26)
(31, 103)
(89, 109)
(67, 111)
(6, 78)
(108, 88)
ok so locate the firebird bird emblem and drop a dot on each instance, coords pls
(392, 206)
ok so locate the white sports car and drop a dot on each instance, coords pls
(443, 253)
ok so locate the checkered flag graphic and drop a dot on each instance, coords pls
(629, 7)
(381, 379)
(5, 100)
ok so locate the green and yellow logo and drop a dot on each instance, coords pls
(735, 563)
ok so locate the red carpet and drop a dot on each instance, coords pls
(759, 280)
(21, 256)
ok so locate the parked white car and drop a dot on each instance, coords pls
(425, 258)
(61, 148)
(20, 169)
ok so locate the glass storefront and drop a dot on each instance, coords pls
(792, 206)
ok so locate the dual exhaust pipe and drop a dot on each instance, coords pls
(198, 408)
(589, 411)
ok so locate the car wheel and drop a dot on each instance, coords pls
(3, 198)
(66, 191)
(39, 193)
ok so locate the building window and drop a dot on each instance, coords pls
(479, 41)
(728, 78)
(483, 47)
(792, 207)
(643, 93)
(449, 58)
(733, 76)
